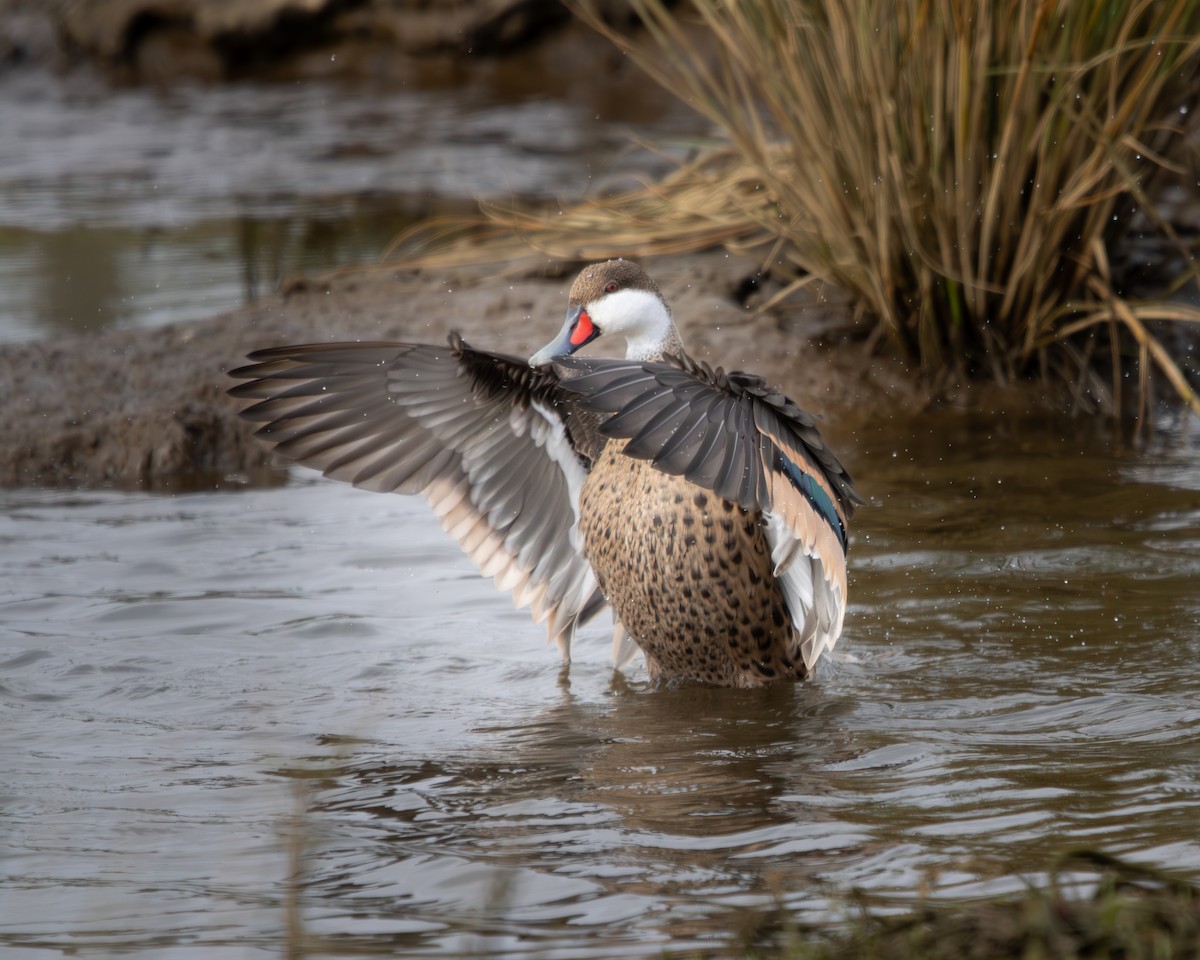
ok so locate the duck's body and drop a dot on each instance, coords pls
(688, 573)
(704, 508)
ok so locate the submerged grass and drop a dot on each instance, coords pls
(1134, 913)
(1092, 906)
(964, 168)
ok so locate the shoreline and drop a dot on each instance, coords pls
(147, 408)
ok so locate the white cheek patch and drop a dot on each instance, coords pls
(639, 315)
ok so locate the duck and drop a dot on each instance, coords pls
(703, 508)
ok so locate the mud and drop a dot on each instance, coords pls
(163, 41)
(148, 409)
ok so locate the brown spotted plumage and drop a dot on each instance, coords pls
(689, 575)
(703, 506)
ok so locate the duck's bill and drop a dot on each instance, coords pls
(576, 331)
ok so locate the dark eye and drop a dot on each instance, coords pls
(612, 286)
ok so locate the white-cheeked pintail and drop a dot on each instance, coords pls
(701, 505)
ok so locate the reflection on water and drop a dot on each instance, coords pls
(179, 675)
(136, 207)
(84, 279)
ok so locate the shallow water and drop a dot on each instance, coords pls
(134, 207)
(200, 692)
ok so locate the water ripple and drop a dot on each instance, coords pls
(295, 694)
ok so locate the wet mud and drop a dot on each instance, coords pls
(148, 409)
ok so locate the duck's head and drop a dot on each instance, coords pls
(614, 297)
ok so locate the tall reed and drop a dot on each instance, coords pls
(962, 167)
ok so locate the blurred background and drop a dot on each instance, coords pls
(165, 162)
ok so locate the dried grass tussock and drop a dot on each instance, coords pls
(963, 168)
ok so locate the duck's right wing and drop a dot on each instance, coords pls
(496, 449)
(731, 434)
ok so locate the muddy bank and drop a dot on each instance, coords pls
(147, 408)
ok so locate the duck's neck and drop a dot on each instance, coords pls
(654, 345)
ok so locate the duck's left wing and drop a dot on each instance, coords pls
(752, 446)
(499, 454)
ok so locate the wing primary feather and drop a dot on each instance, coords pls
(654, 434)
(706, 463)
(731, 476)
(483, 437)
(679, 450)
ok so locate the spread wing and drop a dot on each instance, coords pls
(732, 435)
(496, 449)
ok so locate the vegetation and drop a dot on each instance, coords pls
(964, 168)
(1134, 913)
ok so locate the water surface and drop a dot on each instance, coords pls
(126, 207)
(235, 721)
